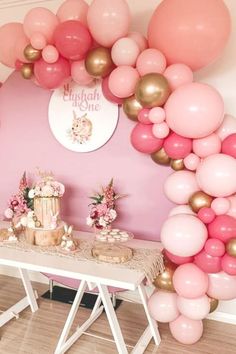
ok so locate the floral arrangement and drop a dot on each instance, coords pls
(47, 187)
(103, 209)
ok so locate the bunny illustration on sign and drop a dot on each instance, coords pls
(68, 244)
(81, 129)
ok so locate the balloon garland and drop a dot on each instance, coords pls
(180, 123)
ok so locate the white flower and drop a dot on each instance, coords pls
(89, 221)
(102, 222)
(30, 214)
(8, 213)
(31, 224)
(112, 214)
(31, 193)
(23, 221)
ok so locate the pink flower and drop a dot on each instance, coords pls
(101, 209)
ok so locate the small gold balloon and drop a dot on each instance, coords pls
(164, 280)
(200, 200)
(132, 108)
(161, 157)
(177, 165)
(31, 53)
(152, 90)
(99, 62)
(213, 304)
(27, 71)
(231, 247)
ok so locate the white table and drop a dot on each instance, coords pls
(100, 276)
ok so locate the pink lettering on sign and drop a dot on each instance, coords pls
(84, 101)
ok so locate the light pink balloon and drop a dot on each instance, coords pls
(180, 185)
(207, 146)
(220, 206)
(139, 39)
(73, 10)
(151, 61)
(38, 41)
(222, 286)
(196, 309)
(157, 115)
(214, 247)
(9, 35)
(79, 73)
(194, 110)
(183, 235)
(163, 306)
(216, 175)
(125, 51)
(50, 54)
(181, 209)
(122, 81)
(228, 264)
(177, 75)
(40, 20)
(185, 330)
(108, 21)
(191, 162)
(232, 209)
(227, 128)
(22, 42)
(160, 130)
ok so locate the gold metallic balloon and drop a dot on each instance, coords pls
(161, 157)
(31, 53)
(164, 280)
(231, 247)
(131, 108)
(177, 165)
(200, 200)
(99, 62)
(213, 304)
(152, 90)
(27, 71)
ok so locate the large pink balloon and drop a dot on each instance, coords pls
(207, 263)
(227, 128)
(123, 80)
(229, 145)
(163, 306)
(194, 110)
(178, 75)
(73, 10)
(207, 146)
(183, 235)
(181, 209)
(79, 73)
(143, 139)
(177, 147)
(185, 330)
(229, 264)
(125, 51)
(196, 309)
(222, 286)
(9, 36)
(190, 32)
(216, 175)
(108, 94)
(180, 185)
(21, 42)
(151, 61)
(108, 21)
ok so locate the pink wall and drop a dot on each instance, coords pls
(27, 142)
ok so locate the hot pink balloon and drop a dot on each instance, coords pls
(220, 206)
(185, 330)
(108, 21)
(189, 26)
(151, 61)
(143, 116)
(228, 264)
(122, 81)
(9, 35)
(227, 128)
(160, 130)
(177, 147)
(50, 54)
(139, 39)
(157, 115)
(229, 145)
(73, 10)
(177, 75)
(125, 51)
(38, 41)
(143, 139)
(196, 309)
(183, 235)
(194, 110)
(214, 247)
(40, 20)
(177, 259)
(207, 146)
(191, 162)
(222, 286)
(206, 215)
(232, 209)
(163, 306)
(181, 209)
(108, 94)
(222, 228)
(207, 263)
(79, 73)
(216, 175)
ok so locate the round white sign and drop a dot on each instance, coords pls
(81, 118)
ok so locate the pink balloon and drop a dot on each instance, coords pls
(122, 81)
(108, 21)
(177, 75)
(143, 139)
(214, 247)
(160, 130)
(196, 309)
(232, 209)
(51, 76)
(207, 146)
(216, 175)
(191, 162)
(220, 206)
(177, 147)
(181, 209)
(73, 10)
(227, 128)
(206, 215)
(163, 306)
(9, 35)
(125, 51)
(180, 185)
(108, 94)
(18, 65)
(229, 264)
(143, 116)
(79, 73)
(72, 40)
(50, 54)
(189, 26)
(177, 259)
(157, 115)
(207, 263)
(40, 20)
(222, 286)
(185, 330)
(222, 228)
(22, 42)
(229, 145)
(139, 39)
(183, 235)
(194, 110)
(38, 41)
(151, 61)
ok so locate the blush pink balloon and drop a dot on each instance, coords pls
(229, 145)
(227, 128)
(177, 259)
(22, 42)
(179, 28)
(216, 175)
(18, 66)
(196, 309)
(38, 41)
(163, 306)
(143, 139)
(232, 209)
(222, 286)
(228, 264)
(79, 73)
(190, 281)
(220, 206)
(214, 247)
(207, 263)
(151, 61)
(207, 146)
(183, 235)
(157, 115)
(125, 51)
(181, 209)
(206, 215)
(177, 147)
(50, 54)
(160, 130)
(194, 110)
(191, 162)
(177, 75)
(223, 227)
(143, 116)
(122, 81)
(73, 10)
(108, 94)
(108, 21)
(186, 330)
(139, 39)
(40, 20)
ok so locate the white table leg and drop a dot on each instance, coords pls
(28, 289)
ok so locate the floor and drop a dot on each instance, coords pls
(38, 333)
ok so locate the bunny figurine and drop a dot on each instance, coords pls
(67, 243)
(54, 220)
